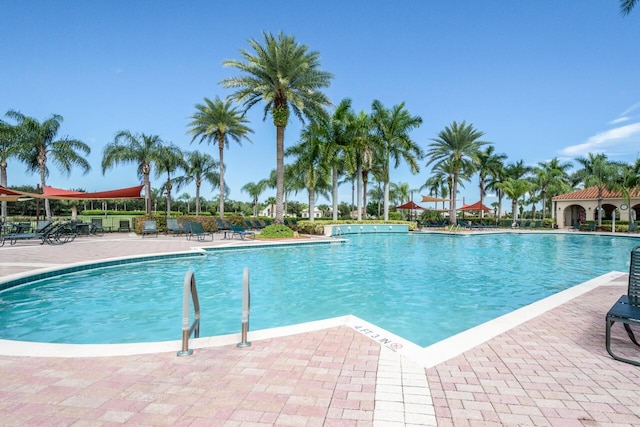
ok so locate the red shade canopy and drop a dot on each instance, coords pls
(477, 206)
(409, 205)
(58, 194)
(122, 193)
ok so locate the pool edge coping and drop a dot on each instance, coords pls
(426, 357)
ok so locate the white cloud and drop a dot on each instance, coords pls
(619, 120)
(623, 138)
(624, 117)
(630, 109)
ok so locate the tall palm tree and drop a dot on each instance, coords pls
(170, 160)
(392, 128)
(460, 145)
(597, 171)
(255, 189)
(360, 155)
(218, 121)
(200, 167)
(287, 77)
(310, 164)
(336, 135)
(489, 164)
(627, 5)
(141, 149)
(38, 145)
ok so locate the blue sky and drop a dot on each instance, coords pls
(542, 78)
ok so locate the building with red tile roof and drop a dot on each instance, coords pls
(582, 205)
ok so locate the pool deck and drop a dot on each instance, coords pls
(551, 370)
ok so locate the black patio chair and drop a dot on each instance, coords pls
(627, 309)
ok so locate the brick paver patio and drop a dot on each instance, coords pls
(552, 370)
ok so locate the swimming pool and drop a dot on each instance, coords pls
(421, 287)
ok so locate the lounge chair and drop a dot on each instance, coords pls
(96, 228)
(627, 309)
(150, 227)
(174, 228)
(125, 225)
(238, 230)
(22, 231)
(196, 229)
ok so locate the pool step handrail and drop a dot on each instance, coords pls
(246, 308)
(189, 293)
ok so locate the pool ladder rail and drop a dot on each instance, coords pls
(190, 293)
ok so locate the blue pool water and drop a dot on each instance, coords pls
(421, 287)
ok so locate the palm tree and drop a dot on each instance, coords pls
(489, 165)
(458, 144)
(551, 178)
(360, 155)
(336, 136)
(187, 200)
(627, 183)
(141, 149)
(219, 121)
(170, 160)
(515, 188)
(310, 165)
(37, 144)
(255, 189)
(287, 77)
(200, 167)
(392, 127)
(598, 172)
(9, 148)
(627, 5)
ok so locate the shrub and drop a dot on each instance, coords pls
(276, 231)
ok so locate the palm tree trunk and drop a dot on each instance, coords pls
(279, 175)
(47, 207)
(221, 154)
(453, 220)
(365, 181)
(334, 195)
(3, 182)
(147, 192)
(197, 198)
(359, 178)
(386, 199)
(353, 197)
(312, 207)
(481, 198)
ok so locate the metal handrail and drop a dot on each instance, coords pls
(189, 292)
(246, 307)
